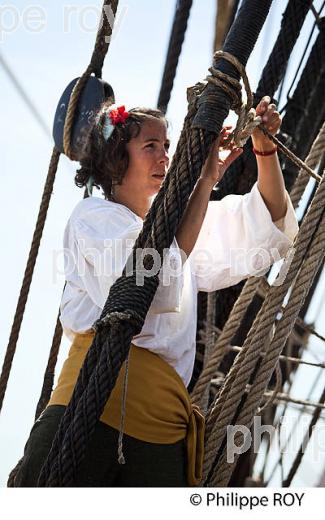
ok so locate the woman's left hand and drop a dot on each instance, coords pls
(271, 120)
(215, 167)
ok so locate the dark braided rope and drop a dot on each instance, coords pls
(242, 174)
(273, 72)
(272, 75)
(313, 117)
(213, 104)
(176, 39)
(314, 66)
(307, 121)
(28, 275)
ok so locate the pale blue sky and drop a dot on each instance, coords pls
(45, 62)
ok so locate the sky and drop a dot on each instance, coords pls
(45, 55)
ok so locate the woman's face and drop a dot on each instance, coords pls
(148, 158)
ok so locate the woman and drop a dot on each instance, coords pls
(217, 244)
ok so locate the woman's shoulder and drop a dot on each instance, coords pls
(96, 209)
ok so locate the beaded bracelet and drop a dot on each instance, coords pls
(265, 154)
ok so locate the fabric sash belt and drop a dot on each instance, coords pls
(158, 405)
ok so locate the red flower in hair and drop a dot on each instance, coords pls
(118, 115)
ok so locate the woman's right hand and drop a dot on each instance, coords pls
(215, 167)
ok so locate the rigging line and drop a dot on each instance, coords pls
(279, 95)
(287, 383)
(316, 14)
(25, 97)
(302, 59)
(296, 423)
(31, 106)
(283, 412)
(283, 357)
(292, 400)
(309, 328)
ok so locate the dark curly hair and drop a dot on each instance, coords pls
(107, 161)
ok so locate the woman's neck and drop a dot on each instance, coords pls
(139, 206)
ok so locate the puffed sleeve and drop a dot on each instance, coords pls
(238, 239)
(104, 240)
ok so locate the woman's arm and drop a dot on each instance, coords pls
(212, 171)
(191, 222)
(270, 179)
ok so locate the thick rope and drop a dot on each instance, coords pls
(241, 175)
(111, 344)
(266, 318)
(223, 410)
(176, 39)
(251, 287)
(209, 342)
(315, 255)
(28, 275)
(220, 348)
(306, 84)
(273, 73)
(291, 24)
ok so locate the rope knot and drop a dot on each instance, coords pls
(247, 120)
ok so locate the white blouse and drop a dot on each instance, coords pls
(237, 239)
